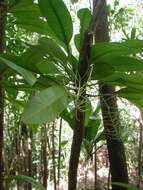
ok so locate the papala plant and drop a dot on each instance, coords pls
(49, 67)
(58, 66)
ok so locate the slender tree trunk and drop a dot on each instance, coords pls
(140, 151)
(44, 156)
(95, 167)
(59, 155)
(3, 10)
(82, 78)
(53, 157)
(24, 138)
(30, 157)
(17, 146)
(117, 159)
(80, 112)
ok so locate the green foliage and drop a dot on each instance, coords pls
(27, 75)
(129, 47)
(85, 16)
(128, 186)
(58, 18)
(133, 95)
(35, 184)
(45, 106)
(27, 16)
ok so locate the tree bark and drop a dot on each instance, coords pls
(82, 78)
(111, 121)
(80, 112)
(140, 150)
(44, 156)
(30, 138)
(59, 153)
(53, 156)
(3, 10)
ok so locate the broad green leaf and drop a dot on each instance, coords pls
(53, 49)
(115, 48)
(27, 15)
(88, 112)
(22, 7)
(45, 106)
(58, 18)
(130, 93)
(49, 80)
(85, 16)
(134, 81)
(28, 179)
(69, 117)
(98, 69)
(77, 41)
(27, 75)
(121, 63)
(35, 54)
(128, 186)
(47, 67)
(133, 95)
(92, 129)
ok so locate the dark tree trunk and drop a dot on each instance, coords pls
(82, 78)
(53, 157)
(80, 112)
(117, 159)
(44, 156)
(30, 157)
(2, 46)
(140, 151)
(59, 153)
(95, 168)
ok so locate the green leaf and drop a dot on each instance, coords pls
(92, 129)
(48, 67)
(133, 95)
(122, 63)
(98, 69)
(99, 50)
(28, 179)
(85, 16)
(88, 112)
(45, 106)
(50, 80)
(134, 81)
(58, 18)
(128, 186)
(25, 8)
(28, 16)
(27, 75)
(77, 41)
(36, 54)
(130, 93)
(52, 49)
(69, 117)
